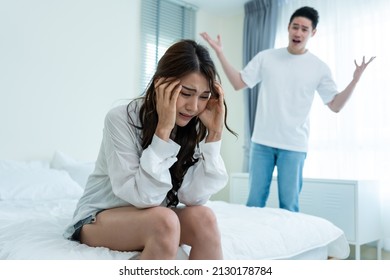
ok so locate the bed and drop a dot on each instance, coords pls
(37, 200)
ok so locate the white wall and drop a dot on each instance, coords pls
(231, 30)
(63, 64)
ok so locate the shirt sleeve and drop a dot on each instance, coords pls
(327, 88)
(206, 177)
(252, 72)
(139, 177)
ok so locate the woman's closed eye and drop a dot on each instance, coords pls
(203, 96)
(186, 94)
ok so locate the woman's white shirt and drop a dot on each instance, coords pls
(125, 174)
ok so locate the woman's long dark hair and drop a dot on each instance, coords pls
(181, 59)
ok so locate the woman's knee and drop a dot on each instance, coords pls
(165, 220)
(165, 227)
(204, 222)
(164, 233)
(206, 215)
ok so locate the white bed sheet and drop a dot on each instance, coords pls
(32, 229)
(270, 233)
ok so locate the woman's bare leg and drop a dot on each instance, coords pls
(199, 229)
(154, 231)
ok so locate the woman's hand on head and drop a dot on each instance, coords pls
(167, 92)
(213, 115)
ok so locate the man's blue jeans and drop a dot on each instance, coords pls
(262, 162)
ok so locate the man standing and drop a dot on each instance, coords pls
(289, 79)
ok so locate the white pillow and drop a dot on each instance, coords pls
(79, 171)
(34, 181)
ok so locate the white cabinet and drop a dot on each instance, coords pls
(352, 205)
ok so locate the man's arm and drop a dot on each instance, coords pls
(233, 75)
(341, 99)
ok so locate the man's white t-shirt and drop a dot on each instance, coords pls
(288, 85)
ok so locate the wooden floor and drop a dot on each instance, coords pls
(368, 252)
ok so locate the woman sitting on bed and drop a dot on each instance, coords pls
(157, 151)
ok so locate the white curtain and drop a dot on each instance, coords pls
(259, 34)
(353, 144)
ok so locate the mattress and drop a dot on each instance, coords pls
(37, 203)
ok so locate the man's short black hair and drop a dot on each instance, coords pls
(307, 12)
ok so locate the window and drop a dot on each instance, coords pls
(163, 23)
(353, 143)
